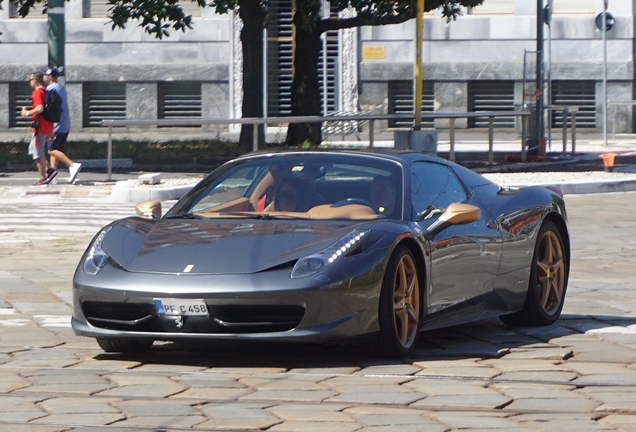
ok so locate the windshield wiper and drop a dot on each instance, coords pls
(184, 216)
(262, 216)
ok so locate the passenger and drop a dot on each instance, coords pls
(383, 194)
(288, 197)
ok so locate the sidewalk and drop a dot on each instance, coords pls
(126, 186)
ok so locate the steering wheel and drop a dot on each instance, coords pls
(348, 201)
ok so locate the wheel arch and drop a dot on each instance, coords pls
(420, 262)
(561, 224)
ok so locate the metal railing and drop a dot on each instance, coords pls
(571, 110)
(368, 118)
(614, 104)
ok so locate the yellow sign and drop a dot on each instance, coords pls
(373, 52)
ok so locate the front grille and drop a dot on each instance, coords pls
(223, 319)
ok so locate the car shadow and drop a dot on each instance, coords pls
(484, 339)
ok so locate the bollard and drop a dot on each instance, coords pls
(452, 140)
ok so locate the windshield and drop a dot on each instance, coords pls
(298, 185)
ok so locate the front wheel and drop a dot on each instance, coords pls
(400, 305)
(548, 281)
(124, 345)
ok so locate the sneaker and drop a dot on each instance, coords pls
(54, 181)
(42, 182)
(50, 175)
(73, 171)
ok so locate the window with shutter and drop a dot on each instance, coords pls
(574, 6)
(492, 7)
(99, 8)
(34, 13)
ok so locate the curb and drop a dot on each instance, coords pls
(581, 188)
(123, 192)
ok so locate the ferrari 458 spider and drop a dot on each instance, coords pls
(337, 246)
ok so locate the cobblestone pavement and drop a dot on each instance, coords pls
(577, 375)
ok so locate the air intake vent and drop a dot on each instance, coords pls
(19, 96)
(104, 101)
(575, 93)
(179, 100)
(401, 102)
(491, 96)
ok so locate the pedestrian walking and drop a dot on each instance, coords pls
(42, 129)
(61, 129)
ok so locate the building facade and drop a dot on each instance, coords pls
(482, 61)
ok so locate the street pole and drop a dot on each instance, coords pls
(604, 31)
(539, 95)
(56, 34)
(419, 38)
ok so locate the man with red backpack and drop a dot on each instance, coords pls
(42, 128)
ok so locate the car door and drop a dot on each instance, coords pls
(464, 258)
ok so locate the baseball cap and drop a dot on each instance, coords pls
(53, 72)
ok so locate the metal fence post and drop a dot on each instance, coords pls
(491, 155)
(524, 132)
(565, 130)
(110, 153)
(573, 116)
(371, 132)
(254, 136)
(452, 140)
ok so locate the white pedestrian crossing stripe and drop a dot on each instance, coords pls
(53, 320)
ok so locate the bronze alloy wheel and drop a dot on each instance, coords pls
(548, 281)
(400, 305)
(551, 272)
(406, 301)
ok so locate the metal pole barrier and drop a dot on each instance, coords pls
(255, 136)
(371, 125)
(452, 140)
(110, 153)
(524, 133)
(565, 131)
(573, 115)
(614, 122)
(491, 155)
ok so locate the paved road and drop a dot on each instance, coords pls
(578, 375)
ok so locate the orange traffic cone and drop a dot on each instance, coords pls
(608, 161)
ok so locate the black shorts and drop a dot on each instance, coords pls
(59, 142)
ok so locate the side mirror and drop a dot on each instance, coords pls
(150, 209)
(455, 214)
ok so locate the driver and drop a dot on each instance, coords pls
(383, 194)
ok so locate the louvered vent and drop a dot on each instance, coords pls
(179, 100)
(19, 96)
(575, 93)
(401, 102)
(103, 101)
(35, 13)
(99, 8)
(491, 96)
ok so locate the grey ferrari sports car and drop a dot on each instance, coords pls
(326, 246)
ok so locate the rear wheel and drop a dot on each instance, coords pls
(400, 305)
(124, 345)
(548, 281)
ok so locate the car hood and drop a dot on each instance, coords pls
(209, 246)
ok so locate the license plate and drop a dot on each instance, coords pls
(187, 307)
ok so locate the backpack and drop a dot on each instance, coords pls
(52, 107)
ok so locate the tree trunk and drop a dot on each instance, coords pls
(305, 90)
(253, 18)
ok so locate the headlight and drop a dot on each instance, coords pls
(315, 263)
(96, 258)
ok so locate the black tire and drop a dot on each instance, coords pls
(548, 281)
(124, 345)
(400, 305)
